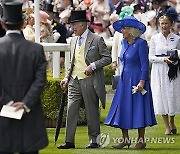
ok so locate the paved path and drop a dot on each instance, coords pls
(109, 97)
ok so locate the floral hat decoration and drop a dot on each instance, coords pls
(126, 20)
(126, 11)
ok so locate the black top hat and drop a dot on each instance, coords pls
(137, 7)
(49, 7)
(12, 13)
(78, 16)
(159, 1)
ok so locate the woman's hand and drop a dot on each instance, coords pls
(140, 85)
(166, 60)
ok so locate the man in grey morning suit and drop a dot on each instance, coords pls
(22, 78)
(85, 79)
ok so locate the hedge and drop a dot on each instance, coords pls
(108, 73)
(51, 98)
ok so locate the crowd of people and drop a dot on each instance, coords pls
(101, 13)
(146, 38)
(55, 15)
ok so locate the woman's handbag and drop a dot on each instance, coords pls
(173, 54)
(173, 68)
(115, 80)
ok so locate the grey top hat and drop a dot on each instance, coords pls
(78, 16)
(12, 13)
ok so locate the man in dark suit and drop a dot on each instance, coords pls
(22, 78)
(85, 79)
(58, 27)
(117, 4)
(2, 31)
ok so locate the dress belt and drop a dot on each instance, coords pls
(162, 55)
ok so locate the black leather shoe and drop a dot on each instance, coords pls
(67, 145)
(92, 145)
(174, 131)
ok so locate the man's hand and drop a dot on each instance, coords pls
(18, 105)
(114, 65)
(63, 83)
(88, 71)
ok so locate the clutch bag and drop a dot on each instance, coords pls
(173, 54)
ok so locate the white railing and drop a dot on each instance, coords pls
(56, 48)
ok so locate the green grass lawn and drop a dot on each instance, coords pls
(157, 142)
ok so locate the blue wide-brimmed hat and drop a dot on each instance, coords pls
(129, 21)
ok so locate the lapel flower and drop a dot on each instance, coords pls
(55, 24)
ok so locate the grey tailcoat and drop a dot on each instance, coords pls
(95, 51)
(22, 78)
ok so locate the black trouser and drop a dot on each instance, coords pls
(35, 152)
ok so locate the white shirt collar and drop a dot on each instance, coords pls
(13, 31)
(84, 35)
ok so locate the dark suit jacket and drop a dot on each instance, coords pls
(2, 31)
(22, 78)
(118, 9)
(61, 29)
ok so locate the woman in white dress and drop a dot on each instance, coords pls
(151, 28)
(165, 90)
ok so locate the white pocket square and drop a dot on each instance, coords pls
(91, 48)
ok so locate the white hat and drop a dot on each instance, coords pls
(150, 15)
(65, 13)
(43, 16)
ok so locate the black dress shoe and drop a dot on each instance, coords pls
(92, 145)
(174, 131)
(67, 145)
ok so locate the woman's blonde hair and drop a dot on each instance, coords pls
(134, 32)
(166, 17)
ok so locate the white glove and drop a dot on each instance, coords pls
(135, 89)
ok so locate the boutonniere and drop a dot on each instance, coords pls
(55, 24)
(91, 48)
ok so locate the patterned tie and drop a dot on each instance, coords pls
(80, 41)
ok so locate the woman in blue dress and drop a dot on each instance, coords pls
(132, 108)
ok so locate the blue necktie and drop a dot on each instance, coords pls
(80, 41)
